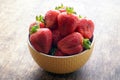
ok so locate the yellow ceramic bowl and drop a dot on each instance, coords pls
(60, 64)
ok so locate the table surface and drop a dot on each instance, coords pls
(16, 62)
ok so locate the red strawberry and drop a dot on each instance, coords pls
(62, 10)
(42, 25)
(40, 21)
(59, 53)
(36, 25)
(51, 19)
(71, 44)
(85, 27)
(56, 37)
(31, 25)
(42, 40)
(67, 23)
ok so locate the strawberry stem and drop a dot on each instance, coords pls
(86, 43)
(40, 18)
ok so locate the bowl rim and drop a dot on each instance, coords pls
(81, 53)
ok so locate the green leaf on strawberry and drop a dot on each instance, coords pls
(59, 7)
(86, 43)
(80, 16)
(70, 10)
(33, 29)
(40, 18)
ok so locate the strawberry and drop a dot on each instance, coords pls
(62, 10)
(34, 26)
(85, 27)
(56, 37)
(40, 20)
(31, 25)
(61, 32)
(41, 25)
(67, 23)
(42, 40)
(71, 44)
(51, 19)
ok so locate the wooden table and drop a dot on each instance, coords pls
(16, 62)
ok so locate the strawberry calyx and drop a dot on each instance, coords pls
(70, 10)
(80, 16)
(59, 7)
(40, 21)
(34, 29)
(40, 18)
(86, 43)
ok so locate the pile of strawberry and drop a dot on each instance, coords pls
(61, 32)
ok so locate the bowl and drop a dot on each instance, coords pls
(61, 64)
